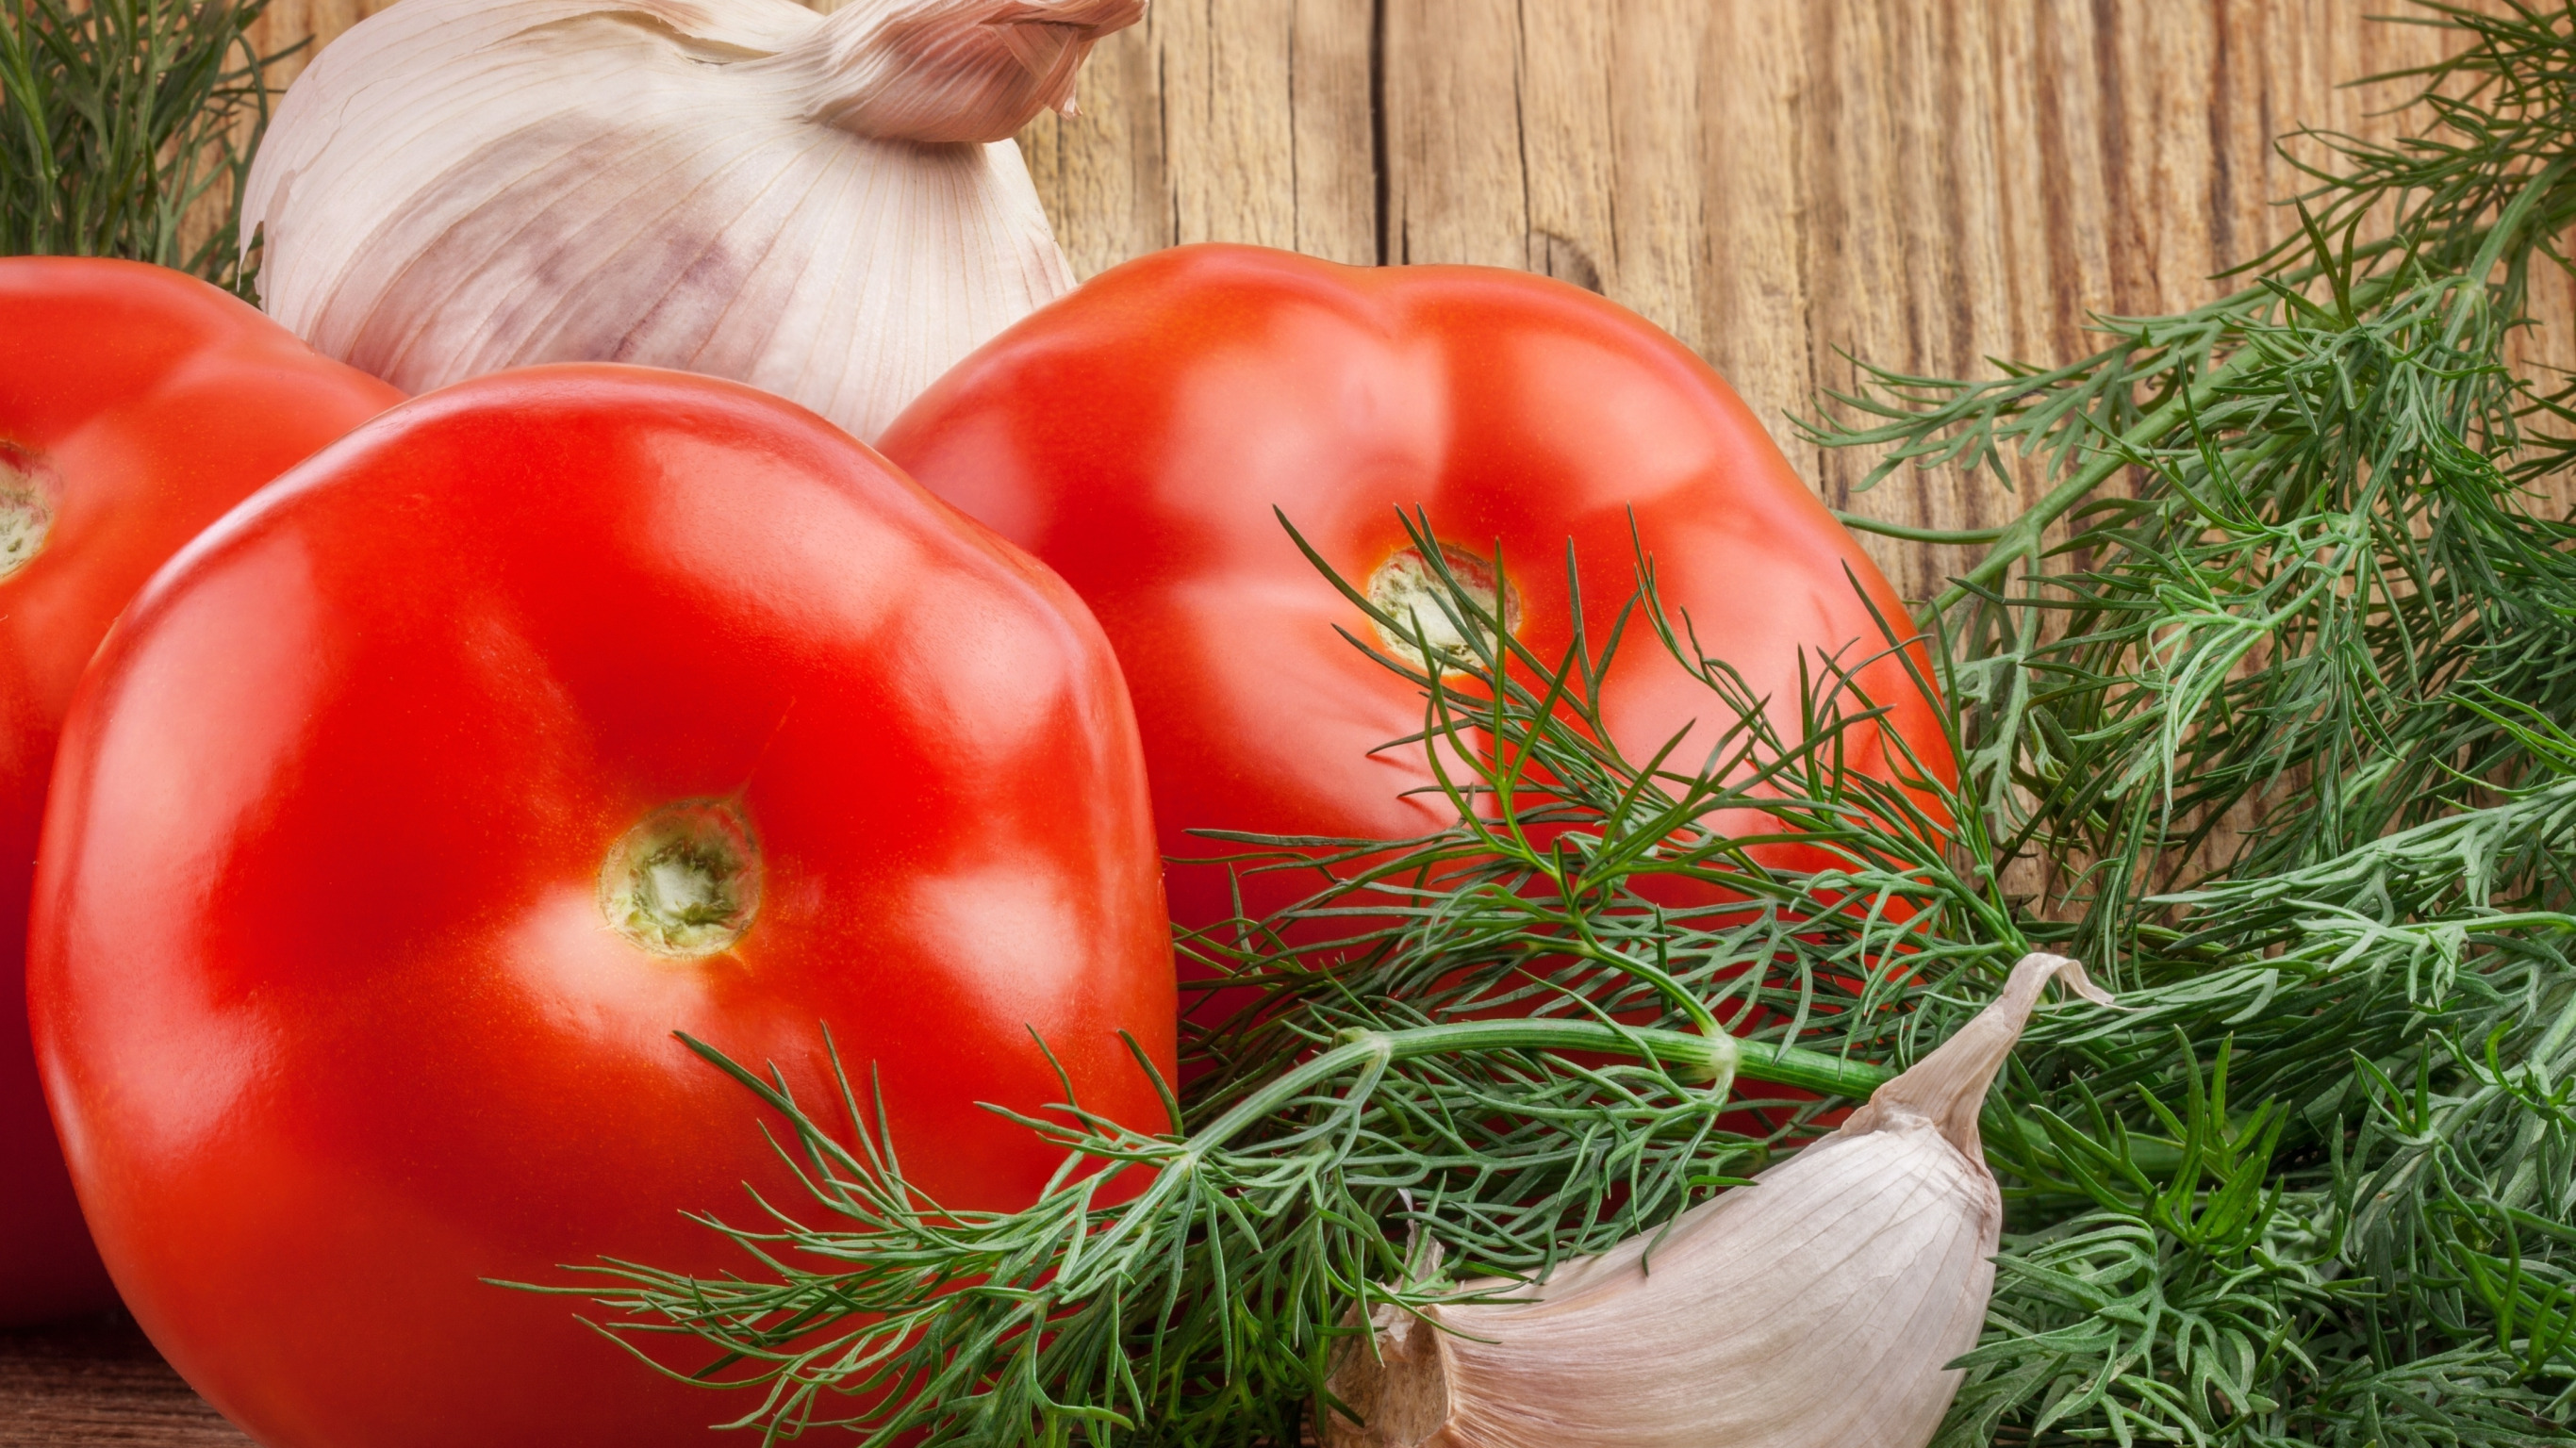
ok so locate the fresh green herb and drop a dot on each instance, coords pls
(2269, 692)
(2279, 718)
(2274, 639)
(1372, 1103)
(126, 129)
(2370, 1253)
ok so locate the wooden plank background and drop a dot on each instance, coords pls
(1926, 183)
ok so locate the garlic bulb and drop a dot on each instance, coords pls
(828, 207)
(1815, 1308)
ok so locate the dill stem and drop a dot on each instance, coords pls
(1859, 523)
(1377, 1049)
(1720, 1058)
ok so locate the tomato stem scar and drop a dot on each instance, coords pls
(684, 883)
(26, 507)
(1407, 589)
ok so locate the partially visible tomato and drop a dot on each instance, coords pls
(411, 810)
(1139, 433)
(136, 405)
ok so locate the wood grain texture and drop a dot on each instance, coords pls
(1924, 183)
(100, 1384)
(1779, 183)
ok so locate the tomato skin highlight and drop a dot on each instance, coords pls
(1137, 434)
(323, 989)
(150, 402)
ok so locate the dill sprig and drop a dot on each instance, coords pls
(2271, 680)
(1512, 1040)
(1489, 1039)
(126, 130)
(2297, 536)
(2381, 1250)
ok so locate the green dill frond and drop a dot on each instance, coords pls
(1490, 1049)
(2290, 538)
(2271, 687)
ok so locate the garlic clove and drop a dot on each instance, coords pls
(829, 208)
(1816, 1308)
(965, 70)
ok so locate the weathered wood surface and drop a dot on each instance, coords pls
(99, 1384)
(1926, 183)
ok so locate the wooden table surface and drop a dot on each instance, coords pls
(1927, 183)
(99, 1383)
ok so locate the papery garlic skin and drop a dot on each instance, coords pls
(829, 208)
(1817, 1308)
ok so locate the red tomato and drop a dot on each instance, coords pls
(413, 808)
(136, 405)
(1137, 435)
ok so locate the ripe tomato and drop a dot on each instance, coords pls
(1138, 433)
(412, 809)
(136, 405)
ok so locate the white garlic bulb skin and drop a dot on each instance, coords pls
(829, 208)
(1819, 1307)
